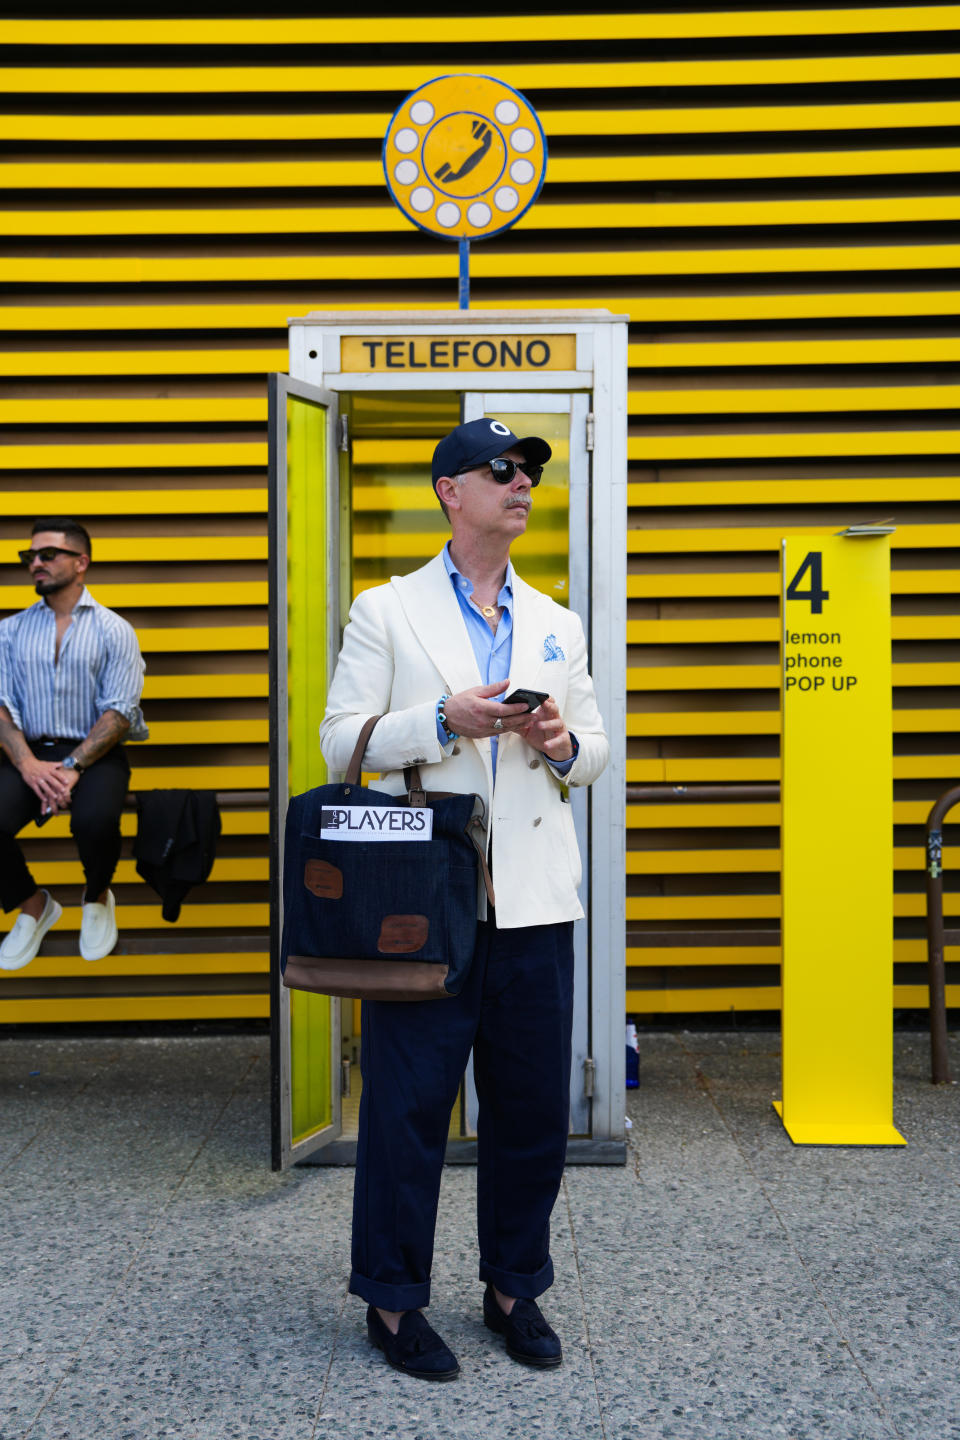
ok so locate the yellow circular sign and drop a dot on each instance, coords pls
(465, 156)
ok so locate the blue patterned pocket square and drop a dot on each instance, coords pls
(552, 649)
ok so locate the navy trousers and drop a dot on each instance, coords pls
(516, 1011)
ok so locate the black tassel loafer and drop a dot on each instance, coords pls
(416, 1349)
(530, 1340)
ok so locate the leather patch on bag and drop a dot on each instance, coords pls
(323, 879)
(400, 934)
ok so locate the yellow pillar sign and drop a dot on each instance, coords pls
(837, 842)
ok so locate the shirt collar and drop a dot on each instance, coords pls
(86, 602)
(465, 585)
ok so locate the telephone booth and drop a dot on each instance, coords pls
(352, 432)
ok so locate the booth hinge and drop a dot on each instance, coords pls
(589, 1077)
(345, 1077)
(591, 429)
(344, 433)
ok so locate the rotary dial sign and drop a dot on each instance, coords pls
(464, 157)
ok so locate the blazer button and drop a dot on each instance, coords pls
(418, 760)
(534, 764)
(536, 822)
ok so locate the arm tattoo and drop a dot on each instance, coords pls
(105, 733)
(12, 740)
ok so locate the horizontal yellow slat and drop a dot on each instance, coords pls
(641, 309)
(642, 956)
(370, 125)
(150, 917)
(66, 967)
(701, 862)
(232, 822)
(126, 410)
(713, 632)
(165, 269)
(209, 732)
(201, 361)
(120, 1008)
(524, 75)
(203, 687)
(169, 548)
(857, 491)
(707, 722)
(750, 907)
(691, 815)
(336, 174)
(762, 537)
(735, 862)
(145, 776)
(426, 544)
(145, 595)
(736, 401)
(877, 350)
(125, 456)
(645, 957)
(409, 29)
(382, 219)
(751, 582)
(208, 637)
(767, 722)
(709, 771)
(687, 814)
(730, 446)
(765, 677)
(718, 770)
(237, 500)
(225, 869)
(679, 1002)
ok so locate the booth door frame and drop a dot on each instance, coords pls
(284, 1150)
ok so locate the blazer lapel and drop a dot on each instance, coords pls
(529, 630)
(433, 612)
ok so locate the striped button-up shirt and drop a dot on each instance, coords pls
(99, 668)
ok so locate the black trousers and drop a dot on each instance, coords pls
(95, 809)
(516, 1011)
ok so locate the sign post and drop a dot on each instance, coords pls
(837, 840)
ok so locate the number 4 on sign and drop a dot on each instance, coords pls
(813, 562)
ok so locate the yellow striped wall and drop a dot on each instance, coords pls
(770, 195)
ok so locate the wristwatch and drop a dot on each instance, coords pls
(72, 763)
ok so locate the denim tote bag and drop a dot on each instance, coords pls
(380, 891)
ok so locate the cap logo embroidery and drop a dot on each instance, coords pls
(498, 428)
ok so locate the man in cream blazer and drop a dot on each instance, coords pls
(435, 653)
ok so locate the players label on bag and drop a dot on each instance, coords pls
(376, 822)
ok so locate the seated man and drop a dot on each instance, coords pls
(71, 676)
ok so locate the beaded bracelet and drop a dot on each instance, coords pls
(450, 734)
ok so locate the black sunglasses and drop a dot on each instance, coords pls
(504, 470)
(49, 552)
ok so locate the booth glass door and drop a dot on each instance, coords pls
(304, 583)
(554, 555)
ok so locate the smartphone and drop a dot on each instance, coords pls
(533, 699)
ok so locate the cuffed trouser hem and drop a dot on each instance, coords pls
(390, 1297)
(520, 1287)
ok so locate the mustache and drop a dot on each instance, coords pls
(512, 501)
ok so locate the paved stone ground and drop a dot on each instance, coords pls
(157, 1279)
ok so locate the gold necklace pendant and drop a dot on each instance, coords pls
(488, 610)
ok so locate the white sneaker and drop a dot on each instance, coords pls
(23, 941)
(98, 929)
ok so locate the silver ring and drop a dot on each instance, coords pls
(498, 723)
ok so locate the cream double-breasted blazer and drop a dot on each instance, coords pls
(406, 644)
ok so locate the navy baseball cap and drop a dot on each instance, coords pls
(472, 445)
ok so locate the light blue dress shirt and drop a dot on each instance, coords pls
(99, 668)
(492, 649)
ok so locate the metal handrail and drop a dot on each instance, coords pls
(940, 1070)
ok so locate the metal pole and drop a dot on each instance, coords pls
(940, 1070)
(465, 274)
